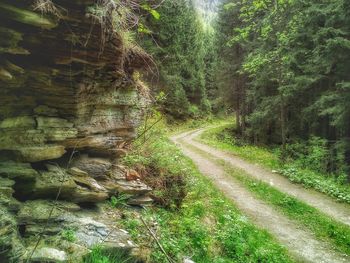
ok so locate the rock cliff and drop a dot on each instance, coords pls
(70, 100)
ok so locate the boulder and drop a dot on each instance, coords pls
(136, 188)
(18, 171)
(77, 172)
(48, 255)
(84, 195)
(188, 260)
(117, 172)
(140, 201)
(39, 153)
(18, 122)
(44, 110)
(97, 168)
(38, 211)
(88, 189)
(52, 122)
(49, 184)
(6, 193)
(90, 233)
(11, 245)
(61, 95)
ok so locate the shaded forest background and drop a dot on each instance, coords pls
(281, 66)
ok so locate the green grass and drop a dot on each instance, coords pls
(99, 255)
(206, 226)
(120, 200)
(69, 234)
(320, 224)
(218, 138)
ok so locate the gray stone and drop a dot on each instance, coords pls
(90, 233)
(141, 201)
(45, 110)
(47, 254)
(18, 171)
(38, 211)
(84, 195)
(52, 122)
(10, 242)
(39, 153)
(128, 187)
(98, 168)
(6, 192)
(18, 122)
(48, 184)
(77, 172)
(88, 190)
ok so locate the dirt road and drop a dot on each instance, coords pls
(300, 242)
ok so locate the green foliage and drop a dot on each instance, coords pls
(323, 226)
(222, 136)
(178, 42)
(68, 234)
(99, 255)
(302, 167)
(205, 226)
(155, 14)
(314, 154)
(120, 200)
(284, 71)
(162, 169)
(328, 185)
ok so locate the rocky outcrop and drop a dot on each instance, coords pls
(69, 103)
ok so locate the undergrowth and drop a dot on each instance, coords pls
(296, 170)
(99, 255)
(203, 225)
(323, 226)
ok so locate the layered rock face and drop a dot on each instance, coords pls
(69, 103)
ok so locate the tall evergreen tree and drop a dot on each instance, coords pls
(177, 42)
(294, 57)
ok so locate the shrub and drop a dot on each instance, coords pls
(160, 167)
(120, 200)
(99, 255)
(68, 234)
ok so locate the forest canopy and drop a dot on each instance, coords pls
(283, 67)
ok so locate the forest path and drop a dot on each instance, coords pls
(324, 203)
(301, 243)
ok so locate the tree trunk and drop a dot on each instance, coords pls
(283, 128)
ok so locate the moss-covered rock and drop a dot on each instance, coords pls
(18, 171)
(11, 246)
(67, 100)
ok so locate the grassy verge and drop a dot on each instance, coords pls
(98, 255)
(176, 128)
(320, 224)
(205, 226)
(216, 137)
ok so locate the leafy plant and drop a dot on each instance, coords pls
(204, 224)
(324, 184)
(298, 169)
(69, 234)
(99, 255)
(120, 200)
(152, 11)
